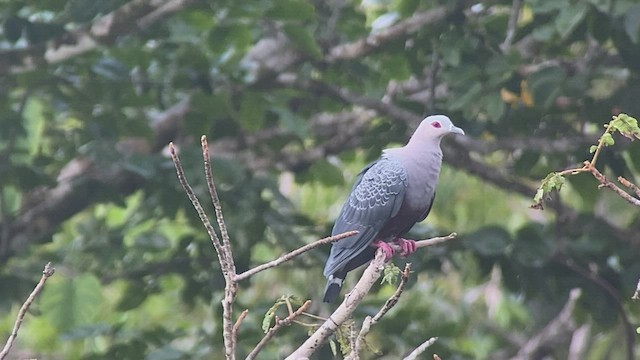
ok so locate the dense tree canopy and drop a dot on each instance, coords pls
(296, 96)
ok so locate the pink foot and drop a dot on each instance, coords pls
(386, 249)
(408, 246)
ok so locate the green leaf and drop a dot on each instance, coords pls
(626, 125)
(303, 39)
(252, 110)
(71, 302)
(570, 17)
(551, 182)
(327, 173)
(545, 85)
(607, 139)
(271, 313)
(593, 149)
(532, 248)
(488, 241)
(297, 10)
(391, 273)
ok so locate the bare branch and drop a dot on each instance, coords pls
(46, 274)
(294, 253)
(370, 321)
(604, 182)
(272, 331)
(420, 349)
(196, 204)
(366, 45)
(226, 244)
(224, 253)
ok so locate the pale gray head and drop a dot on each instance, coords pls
(434, 128)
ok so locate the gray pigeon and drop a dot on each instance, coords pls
(389, 196)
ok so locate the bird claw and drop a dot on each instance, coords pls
(386, 249)
(408, 246)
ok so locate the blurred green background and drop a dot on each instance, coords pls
(295, 103)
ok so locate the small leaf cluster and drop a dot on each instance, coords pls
(271, 313)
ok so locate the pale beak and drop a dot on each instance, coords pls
(456, 130)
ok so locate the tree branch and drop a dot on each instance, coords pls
(46, 274)
(131, 17)
(560, 325)
(370, 321)
(343, 312)
(351, 301)
(369, 43)
(294, 253)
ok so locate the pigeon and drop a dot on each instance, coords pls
(389, 196)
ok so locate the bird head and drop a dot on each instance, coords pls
(435, 127)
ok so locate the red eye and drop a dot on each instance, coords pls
(436, 125)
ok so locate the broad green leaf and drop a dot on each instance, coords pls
(252, 109)
(71, 302)
(303, 39)
(488, 241)
(326, 173)
(546, 84)
(626, 125)
(570, 17)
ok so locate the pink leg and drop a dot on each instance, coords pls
(408, 246)
(386, 249)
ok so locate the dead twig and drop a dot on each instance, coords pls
(46, 274)
(294, 253)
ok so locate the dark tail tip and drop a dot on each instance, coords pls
(332, 290)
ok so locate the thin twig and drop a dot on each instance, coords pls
(420, 349)
(224, 252)
(236, 326)
(292, 254)
(370, 321)
(272, 331)
(226, 243)
(604, 182)
(196, 203)
(512, 26)
(46, 274)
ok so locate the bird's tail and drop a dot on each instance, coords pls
(332, 290)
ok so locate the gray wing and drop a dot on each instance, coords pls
(375, 198)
